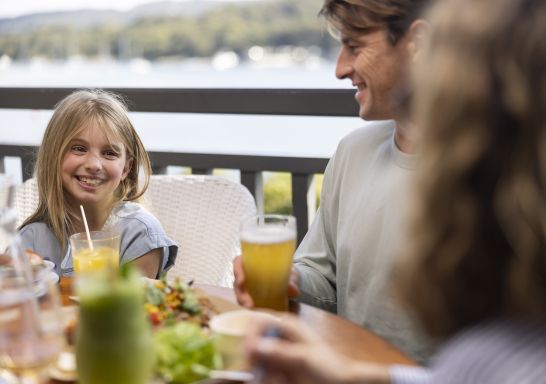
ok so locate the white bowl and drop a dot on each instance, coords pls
(230, 329)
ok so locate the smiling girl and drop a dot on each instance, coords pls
(91, 155)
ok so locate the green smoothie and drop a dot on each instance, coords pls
(114, 343)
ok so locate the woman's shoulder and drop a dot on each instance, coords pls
(491, 350)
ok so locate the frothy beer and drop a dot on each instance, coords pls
(267, 261)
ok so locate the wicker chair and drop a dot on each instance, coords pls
(203, 215)
(26, 200)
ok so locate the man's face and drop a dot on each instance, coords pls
(377, 69)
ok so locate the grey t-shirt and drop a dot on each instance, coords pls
(140, 233)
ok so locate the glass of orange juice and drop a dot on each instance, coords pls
(99, 253)
(267, 244)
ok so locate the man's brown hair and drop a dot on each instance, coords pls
(360, 16)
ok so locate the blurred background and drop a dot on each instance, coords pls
(179, 44)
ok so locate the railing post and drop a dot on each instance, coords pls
(159, 170)
(301, 184)
(255, 184)
(27, 166)
(201, 171)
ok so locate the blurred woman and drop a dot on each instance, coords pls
(474, 270)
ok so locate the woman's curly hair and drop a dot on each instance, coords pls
(477, 243)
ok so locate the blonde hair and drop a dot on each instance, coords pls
(72, 114)
(478, 239)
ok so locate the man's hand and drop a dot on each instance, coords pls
(244, 298)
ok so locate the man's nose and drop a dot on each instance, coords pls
(344, 65)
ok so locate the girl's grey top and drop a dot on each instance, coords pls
(140, 233)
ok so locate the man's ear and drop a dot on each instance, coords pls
(127, 168)
(417, 33)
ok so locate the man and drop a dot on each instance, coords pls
(343, 262)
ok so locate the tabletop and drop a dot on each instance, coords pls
(343, 335)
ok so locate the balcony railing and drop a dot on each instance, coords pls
(302, 102)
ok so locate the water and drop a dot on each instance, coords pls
(300, 136)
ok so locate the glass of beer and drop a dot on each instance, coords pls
(98, 253)
(268, 243)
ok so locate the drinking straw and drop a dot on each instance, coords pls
(86, 228)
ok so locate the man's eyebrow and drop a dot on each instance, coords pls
(347, 40)
(353, 37)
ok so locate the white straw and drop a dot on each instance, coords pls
(86, 228)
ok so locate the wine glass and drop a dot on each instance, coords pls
(31, 330)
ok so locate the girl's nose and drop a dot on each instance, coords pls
(93, 163)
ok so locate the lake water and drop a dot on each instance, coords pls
(200, 133)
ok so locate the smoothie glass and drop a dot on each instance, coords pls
(114, 342)
(268, 243)
(99, 254)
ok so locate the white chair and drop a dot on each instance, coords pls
(26, 200)
(202, 214)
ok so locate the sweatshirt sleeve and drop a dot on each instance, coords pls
(315, 259)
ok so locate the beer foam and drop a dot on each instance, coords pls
(268, 234)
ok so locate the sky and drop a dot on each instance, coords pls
(12, 8)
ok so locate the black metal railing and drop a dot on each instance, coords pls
(310, 102)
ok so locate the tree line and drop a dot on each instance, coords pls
(230, 27)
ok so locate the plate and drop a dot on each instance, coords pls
(64, 368)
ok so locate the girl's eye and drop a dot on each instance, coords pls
(111, 154)
(77, 148)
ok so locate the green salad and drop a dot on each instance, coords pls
(184, 353)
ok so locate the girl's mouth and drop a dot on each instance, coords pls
(92, 182)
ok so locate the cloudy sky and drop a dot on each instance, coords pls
(12, 8)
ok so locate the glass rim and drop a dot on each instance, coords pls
(289, 218)
(105, 235)
(261, 219)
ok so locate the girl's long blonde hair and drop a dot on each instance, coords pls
(477, 244)
(72, 114)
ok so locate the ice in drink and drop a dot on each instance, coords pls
(92, 260)
(267, 261)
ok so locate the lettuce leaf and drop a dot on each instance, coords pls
(184, 353)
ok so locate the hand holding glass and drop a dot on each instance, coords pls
(268, 243)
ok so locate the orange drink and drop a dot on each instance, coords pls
(268, 243)
(98, 254)
(88, 260)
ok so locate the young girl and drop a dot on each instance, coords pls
(91, 155)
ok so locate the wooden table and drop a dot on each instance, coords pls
(343, 335)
